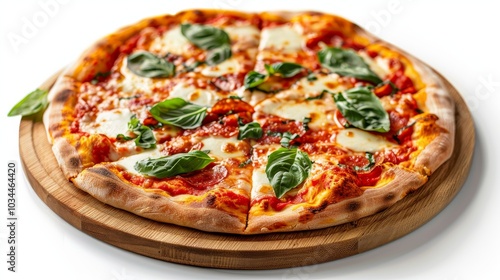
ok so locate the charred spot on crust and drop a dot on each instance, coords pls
(74, 162)
(389, 197)
(63, 96)
(305, 216)
(353, 206)
(155, 196)
(211, 200)
(318, 209)
(101, 171)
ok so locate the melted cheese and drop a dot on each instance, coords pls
(221, 147)
(171, 41)
(228, 66)
(284, 38)
(197, 96)
(260, 183)
(297, 110)
(243, 33)
(378, 65)
(109, 123)
(310, 88)
(128, 162)
(361, 141)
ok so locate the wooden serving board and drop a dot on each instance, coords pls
(278, 250)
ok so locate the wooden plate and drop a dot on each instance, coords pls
(187, 246)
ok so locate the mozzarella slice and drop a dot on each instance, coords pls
(378, 65)
(361, 141)
(128, 162)
(171, 41)
(197, 96)
(297, 110)
(260, 183)
(284, 37)
(243, 33)
(228, 66)
(309, 88)
(109, 123)
(222, 147)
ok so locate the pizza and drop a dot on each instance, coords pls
(248, 123)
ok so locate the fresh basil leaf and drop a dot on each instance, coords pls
(346, 62)
(285, 69)
(253, 79)
(205, 36)
(146, 138)
(286, 138)
(218, 55)
(251, 130)
(368, 166)
(178, 112)
(235, 97)
(122, 138)
(32, 103)
(146, 64)
(173, 165)
(305, 123)
(286, 169)
(362, 109)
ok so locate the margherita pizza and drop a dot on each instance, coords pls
(249, 123)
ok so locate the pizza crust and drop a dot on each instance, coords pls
(372, 201)
(105, 186)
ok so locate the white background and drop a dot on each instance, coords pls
(459, 38)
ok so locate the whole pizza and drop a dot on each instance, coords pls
(248, 123)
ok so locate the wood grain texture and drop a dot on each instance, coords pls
(278, 250)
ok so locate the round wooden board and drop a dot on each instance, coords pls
(279, 250)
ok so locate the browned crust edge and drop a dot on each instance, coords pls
(108, 188)
(370, 202)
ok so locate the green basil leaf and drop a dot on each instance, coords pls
(146, 138)
(347, 62)
(32, 103)
(218, 55)
(367, 167)
(305, 123)
(173, 165)
(251, 130)
(146, 64)
(286, 169)
(286, 138)
(178, 112)
(285, 69)
(122, 138)
(205, 36)
(253, 79)
(362, 109)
